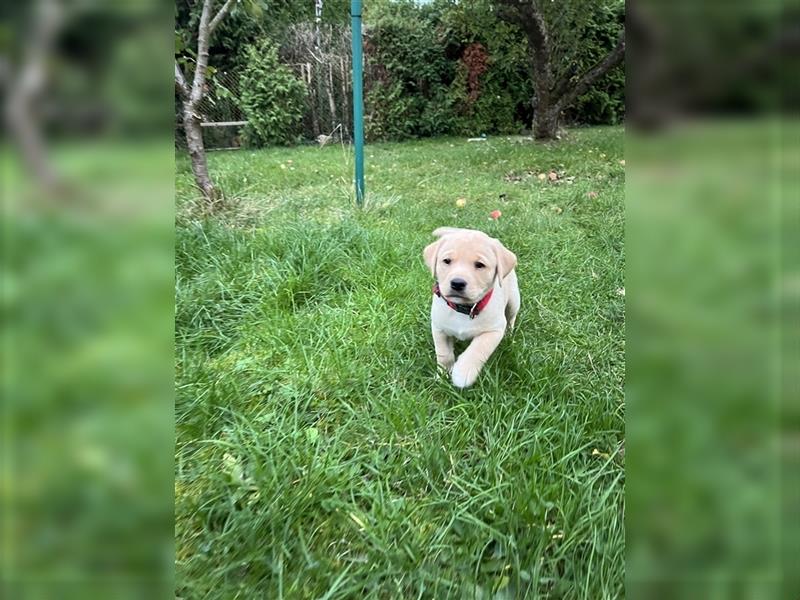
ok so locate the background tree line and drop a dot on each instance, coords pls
(446, 67)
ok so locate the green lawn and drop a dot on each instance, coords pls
(318, 455)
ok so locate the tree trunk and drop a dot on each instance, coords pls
(545, 110)
(27, 86)
(553, 96)
(545, 123)
(25, 130)
(197, 154)
(191, 97)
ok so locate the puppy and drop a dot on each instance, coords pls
(475, 297)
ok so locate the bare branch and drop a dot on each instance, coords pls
(180, 82)
(611, 60)
(219, 16)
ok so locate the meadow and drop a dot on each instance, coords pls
(318, 455)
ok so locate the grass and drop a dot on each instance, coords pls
(318, 455)
(87, 339)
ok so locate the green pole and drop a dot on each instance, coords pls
(358, 98)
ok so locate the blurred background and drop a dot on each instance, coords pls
(87, 288)
(90, 124)
(712, 296)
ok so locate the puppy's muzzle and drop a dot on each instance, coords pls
(458, 285)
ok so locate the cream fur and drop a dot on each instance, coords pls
(457, 254)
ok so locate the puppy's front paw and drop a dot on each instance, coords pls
(464, 375)
(445, 363)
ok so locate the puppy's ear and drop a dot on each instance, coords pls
(430, 255)
(506, 260)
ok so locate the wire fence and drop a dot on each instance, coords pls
(221, 112)
(320, 57)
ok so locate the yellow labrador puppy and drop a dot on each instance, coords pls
(475, 297)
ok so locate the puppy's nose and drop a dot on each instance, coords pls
(457, 284)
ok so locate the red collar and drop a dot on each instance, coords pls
(473, 310)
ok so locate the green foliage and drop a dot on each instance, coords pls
(494, 111)
(605, 102)
(137, 92)
(247, 23)
(595, 107)
(505, 90)
(420, 79)
(390, 113)
(272, 98)
(406, 74)
(424, 76)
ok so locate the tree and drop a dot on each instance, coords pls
(26, 86)
(552, 29)
(191, 95)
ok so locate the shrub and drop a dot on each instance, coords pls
(605, 102)
(391, 113)
(435, 68)
(407, 74)
(491, 91)
(595, 107)
(272, 98)
(481, 98)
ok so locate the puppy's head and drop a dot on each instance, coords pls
(465, 262)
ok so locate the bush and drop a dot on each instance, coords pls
(272, 98)
(481, 98)
(391, 114)
(595, 107)
(605, 103)
(407, 74)
(491, 92)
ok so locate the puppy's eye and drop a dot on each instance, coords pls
(446, 261)
(479, 265)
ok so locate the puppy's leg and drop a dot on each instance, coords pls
(512, 299)
(471, 361)
(512, 308)
(445, 357)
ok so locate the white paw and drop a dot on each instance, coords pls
(464, 376)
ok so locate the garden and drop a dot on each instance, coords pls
(319, 453)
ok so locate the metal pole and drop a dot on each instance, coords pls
(358, 98)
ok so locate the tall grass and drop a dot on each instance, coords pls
(318, 454)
